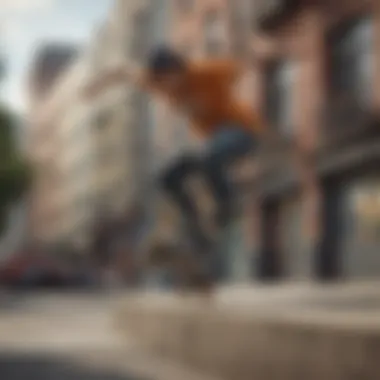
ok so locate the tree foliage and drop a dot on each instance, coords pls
(14, 173)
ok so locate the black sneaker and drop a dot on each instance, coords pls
(202, 243)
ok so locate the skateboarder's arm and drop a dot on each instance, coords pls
(117, 76)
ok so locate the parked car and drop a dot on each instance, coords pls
(38, 271)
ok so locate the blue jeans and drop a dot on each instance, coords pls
(223, 149)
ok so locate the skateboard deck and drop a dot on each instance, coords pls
(198, 270)
(220, 263)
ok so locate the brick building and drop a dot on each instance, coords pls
(314, 76)
(320, 86)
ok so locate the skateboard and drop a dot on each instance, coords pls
(203, 270)
(194, 269)
(192, 263)
(193, 274)
(188, 270)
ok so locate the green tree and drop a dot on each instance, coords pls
(14, 173)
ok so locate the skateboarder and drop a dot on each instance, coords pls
(204, 92)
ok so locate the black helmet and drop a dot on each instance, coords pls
(163, 59)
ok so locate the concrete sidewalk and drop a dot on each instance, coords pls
(71, 336)
(288, 331)
(344, 304)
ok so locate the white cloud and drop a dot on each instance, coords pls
(14, 95)
(16, 101)
(12, 31)
(22, 5)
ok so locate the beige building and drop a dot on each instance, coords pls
(77, 158)
(101, 155)
(67, 157)
(41, 138)
(114, 127)
(127, 130)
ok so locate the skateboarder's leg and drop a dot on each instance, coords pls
(174, 183)
(226, 147)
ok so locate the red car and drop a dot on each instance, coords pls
(31, 270)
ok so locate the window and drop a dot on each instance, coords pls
(213, 33)
(280, 78)
(351, 60)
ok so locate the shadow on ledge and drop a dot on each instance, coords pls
(42, 366)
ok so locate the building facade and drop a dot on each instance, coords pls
(63, 167)
(42, 141)
(309, 63)
(320, 87)
(120, 125)
(75, 197)
(142, 25)
(312, 72)
(49, 62)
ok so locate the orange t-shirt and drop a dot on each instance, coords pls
(207, 97)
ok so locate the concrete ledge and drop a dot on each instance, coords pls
(262, 339)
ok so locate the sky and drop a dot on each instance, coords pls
(26, 24)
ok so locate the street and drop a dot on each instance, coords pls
(74, 336)
(57, 337)
(46, 336)
(299, 330)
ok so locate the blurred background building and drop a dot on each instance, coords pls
(50, 64)
(320, 87)
(75, 157)
(311, 71)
